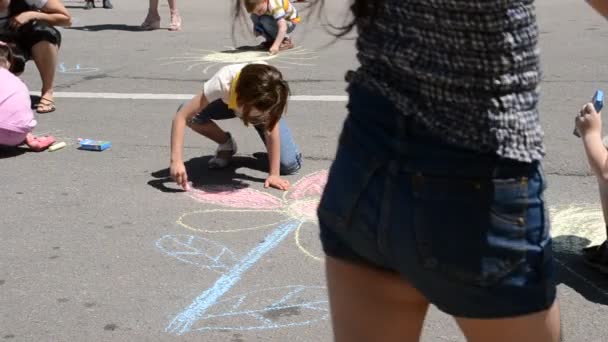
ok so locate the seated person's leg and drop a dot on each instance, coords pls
(43, 41)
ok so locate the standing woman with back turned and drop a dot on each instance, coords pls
(436, 192)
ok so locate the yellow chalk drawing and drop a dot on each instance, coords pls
(299, 204)
(208, 59)
(584, 221)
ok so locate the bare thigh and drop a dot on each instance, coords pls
(369, 305)
(543, 326)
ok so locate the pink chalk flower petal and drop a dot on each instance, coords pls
(234, 197)
(311, 185)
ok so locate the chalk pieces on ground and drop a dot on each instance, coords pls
(57, 146)
(94, 145)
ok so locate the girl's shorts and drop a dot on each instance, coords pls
(470, 231)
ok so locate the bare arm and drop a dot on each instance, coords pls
(280, 36)
(589, 125)
(596, 155)
(53, 13)
(178, 169)
(273, 145)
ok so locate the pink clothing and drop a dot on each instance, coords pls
(16, 116)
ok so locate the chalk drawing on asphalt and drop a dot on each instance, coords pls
(209, 59)
(271, 308)
(76, 69)
(583, 221)
(298, 204)
(295, 208)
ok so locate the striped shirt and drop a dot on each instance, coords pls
(283, 9)
(468, 70)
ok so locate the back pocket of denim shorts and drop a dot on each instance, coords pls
(470, 230)
(349, 175)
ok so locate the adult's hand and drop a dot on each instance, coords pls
(21, 19)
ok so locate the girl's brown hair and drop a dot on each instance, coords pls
(6, 54)
(251, 4)
(262, 87)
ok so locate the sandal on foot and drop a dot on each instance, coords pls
(176, 22)
(223, 154)
(39, 144)
(150, 24)
(597, 257)
(286, 44)
(45, 105)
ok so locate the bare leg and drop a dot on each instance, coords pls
(538, 327)
(212, 131)
(172, 5)
(603, 186)
(176, 19)
(153, 9)
(369, 305)
(45, 57)
(152, 21)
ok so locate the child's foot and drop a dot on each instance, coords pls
(286, 44)
(152, 22)
(176, 21)
(39, 144)
(89, 4)
(597, 257)
(223, 154)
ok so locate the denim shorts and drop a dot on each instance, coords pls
(469, 230)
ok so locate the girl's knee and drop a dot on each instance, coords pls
(291, 166)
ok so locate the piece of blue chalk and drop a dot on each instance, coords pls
(598, 100)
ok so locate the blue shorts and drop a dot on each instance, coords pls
(469, 230)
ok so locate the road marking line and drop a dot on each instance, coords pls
(149, 96)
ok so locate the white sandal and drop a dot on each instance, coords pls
(218, 162)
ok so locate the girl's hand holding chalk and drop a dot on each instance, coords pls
(57, 146)
(178, 173)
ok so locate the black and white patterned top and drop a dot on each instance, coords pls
(467, 69)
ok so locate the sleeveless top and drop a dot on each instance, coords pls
(468, 70)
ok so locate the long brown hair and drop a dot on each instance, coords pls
(262, 87)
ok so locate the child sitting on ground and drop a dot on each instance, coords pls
(274, 19)
(589, 127)
(16, 116)
(256, 94)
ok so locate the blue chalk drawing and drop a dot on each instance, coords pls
(270, 308)
(75, 70)
(183, 322)
(197, 251)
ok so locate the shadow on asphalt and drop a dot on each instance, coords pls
(12, 151)
(201, 176)
(107, 27)
(573, 272)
